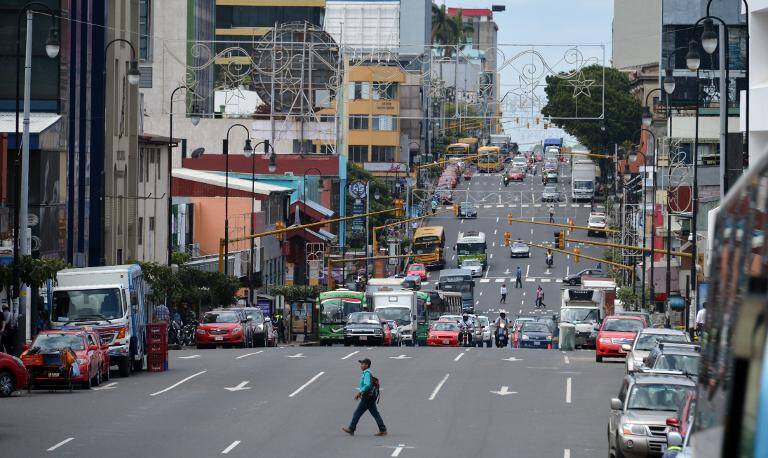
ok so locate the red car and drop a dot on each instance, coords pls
(221, 327)
(616, 331)
(92, 356)
(443, 333)
(417, 268)
(516, 174)
(683, 420)
(13, 375)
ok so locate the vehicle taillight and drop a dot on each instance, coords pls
(121, 332)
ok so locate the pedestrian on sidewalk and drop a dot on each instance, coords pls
(368, 394)
(519, 278)
(503, 292)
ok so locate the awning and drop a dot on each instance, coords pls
(676, 303)
(38, 123)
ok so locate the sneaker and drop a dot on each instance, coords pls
(381, 433)
(348, 431)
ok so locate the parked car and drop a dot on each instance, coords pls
(575, 279)
(443, 333)
(363, 328)
(92, 356)
(467, 210)
(596, 222)
(675, 357)
(257, 326)
(645, 315)
(224, 327)
(486, 336)
(519, 249)
(13, 375)
(534, 334)
(637, 423)
(615, 332)
(550, 194)
(646, 340)
(417, 268)
(473, 265)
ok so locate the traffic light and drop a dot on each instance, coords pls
(576, 253)
(570, 225)
(280, 236)
(509, 219)
(507, 237)
(398, 208)
(456, 210)
(559, 240)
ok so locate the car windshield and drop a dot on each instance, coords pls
(578, 315)
(622, 325)
(89, 304)
(416, 268)
(653, 396)
(688, 364)
(596, 220)
(254, 314)
(336, 309)
(648, 341)
(53, 342)
(401, 315)
(221, 317)
(483, 321)
(519, 245)
(579, 184)
(534, 327)
(517, 169)
(550, 190)
(445, 327)
(365, 318)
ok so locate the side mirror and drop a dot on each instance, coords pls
(674, 439)
(616, 404)
(267, 319)
(626, 347)
(673, 422)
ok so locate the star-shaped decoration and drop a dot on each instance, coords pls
(581, 85)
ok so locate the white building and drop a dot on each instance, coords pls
(758, 81)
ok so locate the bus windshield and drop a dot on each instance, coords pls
(90, 304)
(337, 310)
(470, 248)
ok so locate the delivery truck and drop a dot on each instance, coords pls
(583, 176)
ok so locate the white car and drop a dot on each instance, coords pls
(597, 221)
(475, 266)
(485, 325)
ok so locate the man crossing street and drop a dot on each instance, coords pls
(368, 396)
(519, 278)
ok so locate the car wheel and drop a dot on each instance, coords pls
(617, 449)
(89, 382)
(97, 377)
(7, 385)
(125, 367)
(598, 358)
(107, 375)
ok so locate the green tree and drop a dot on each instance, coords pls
(623, 112)
(449, 30)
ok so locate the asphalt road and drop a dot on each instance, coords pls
(435, 402)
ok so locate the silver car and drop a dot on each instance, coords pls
(550, 194)
(485, 326)
(519, 250)
(473, 265)
(645, 341)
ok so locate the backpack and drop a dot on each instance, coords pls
(375, 391)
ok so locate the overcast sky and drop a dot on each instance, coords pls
(546, 22)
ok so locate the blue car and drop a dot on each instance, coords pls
(534, 334)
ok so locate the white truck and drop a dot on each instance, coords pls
(110, 300)
(399, 306)
(502, 141)
(583, 309)
(582, 179)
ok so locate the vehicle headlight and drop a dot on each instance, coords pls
(605, 340)
(633, 429)
(378, 331)
(237, 329)
(201, 331)
(549, 337)
(80, 361)
(525, 337)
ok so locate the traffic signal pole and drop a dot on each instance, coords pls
(384, 226)
(332, 282)
(681, 254)
(511, 220)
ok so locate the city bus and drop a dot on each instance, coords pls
(731, 417)
(490, 160)
(472, 142)
(459, 281)
(429, 246)
(431, 305)
(457, 150)
(472, 245)
(335, 307)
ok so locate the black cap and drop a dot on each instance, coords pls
(364, 361)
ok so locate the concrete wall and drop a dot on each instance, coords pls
(636, 37)
(758, 73)
(415, 26)
(153, 186)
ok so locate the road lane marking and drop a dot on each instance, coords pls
(249, 354)
(458, 357)
(500, 206)
(400, 357)
(438, 387)
(499, 280)
(568, 391)
(481, 293)
(527, 269)
(546, 280)
(179, 383)
(239, 387)
(504, 391)
(397, 450)
(108, 386)
(189, 357)
(567, 361)
(495, 230)
(567, 453)
(230, 447)
(67, 440)
(297, 355)
(497, 220)
(485, 280)
(351, 354)
(490, 256)
(298, 390)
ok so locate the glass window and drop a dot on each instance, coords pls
(87, 305)
(621, 325)
(359, 91)
(382, 153)
(145, 30)
(661, 397)
(141, 231)
(358, 153)
(384, 123)
(221, 317)
(648, 341)
(443, 326)
(51, 342)
(384, 91)
(358, 122)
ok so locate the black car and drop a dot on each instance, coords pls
(261, 327)
(575, 279)
(363, 328)
(534, 334)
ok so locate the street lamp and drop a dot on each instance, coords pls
(195, 119)
(133, 74)
(693, 58)
(247, 151)
(669, 81)
(653, 213)
(20, 240)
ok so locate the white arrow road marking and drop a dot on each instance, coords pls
(230, 447)
(504, 391)
(437, 388)
(567, 361)
(298, 390)
(249, 354)
(189, 357)
(108, 386)
(568, 391)
(511, 358)
(240, 386)
(179, 383)
(351, 354)
(567, 453)
(398, 449)
(69, 439)
(400, 357)
(297, 355)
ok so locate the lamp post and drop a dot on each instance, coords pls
(195, 119)
(653, 213)
(252, 154)
(21, 243)
(247, 151)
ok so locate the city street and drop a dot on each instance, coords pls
(293, 401)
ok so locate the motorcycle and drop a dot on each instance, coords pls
(465, 337)
(502, 336)
(506, 181)
(550, 260)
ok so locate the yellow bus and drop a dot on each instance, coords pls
(457, 150)
(429, 246)
(472, 142)
(490, 159)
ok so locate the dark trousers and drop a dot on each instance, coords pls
(503, 299)
(368, 404)
(518, 282)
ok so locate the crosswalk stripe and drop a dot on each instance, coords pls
(500, 280)
(500, 206)
(485, 280)
(525, 205)
(530, 279)
(487, 206)
(559, 280)
(545, 280)
(537, 205)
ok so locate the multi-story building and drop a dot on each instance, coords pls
(758, 81)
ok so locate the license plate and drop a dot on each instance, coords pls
(53, 374)
(536, 344)
(363, 337)
(446, 342)
(218, 338)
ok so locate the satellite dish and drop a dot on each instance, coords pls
(197, 152)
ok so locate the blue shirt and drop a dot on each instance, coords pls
(365, 381)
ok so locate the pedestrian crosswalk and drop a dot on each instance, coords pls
(560, 205)
(527, 279)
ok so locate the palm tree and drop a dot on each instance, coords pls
(449, 30)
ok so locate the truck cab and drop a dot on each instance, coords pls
(583, 308)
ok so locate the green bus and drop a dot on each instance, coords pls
(335, 307)
(431, 305)
(472, 245)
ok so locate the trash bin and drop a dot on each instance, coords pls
(567, 336)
